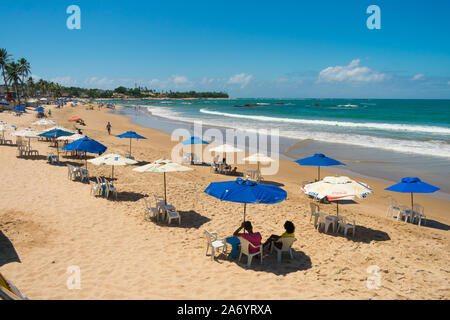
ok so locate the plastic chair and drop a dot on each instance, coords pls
(342, 224)
(325, 221)
(392, 207)
(286, 247)
(172, 214)
(151, 212)
(314, 212)
(245, 250)
(419, 213)
(214, 243)
(110, 188)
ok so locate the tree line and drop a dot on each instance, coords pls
(16, 75)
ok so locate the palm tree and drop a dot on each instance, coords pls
(31, 86)
(5, 58)
(24, 69)
(13, 75)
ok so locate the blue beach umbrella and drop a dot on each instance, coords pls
(193, 140)
(55, 133)
(131, 135)
(319, 160)
(39, 109)
(412, 185)
(4, 103)
(86, 145)
(246, 191)
(19, 109)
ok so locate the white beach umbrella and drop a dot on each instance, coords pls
(6, 127)
(43, 99)
(58, 128)
(32, 100)
(73, 137)
(162, 165)
(259, 158)
(337, 188)
(112, 160)
(44, 122)
(26, 133)
(225, 148)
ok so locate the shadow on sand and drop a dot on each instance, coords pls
(189, 219)
(270, 264)
(7, 252)
(363, 234)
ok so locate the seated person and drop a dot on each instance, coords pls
(290, 229)
(253, 237)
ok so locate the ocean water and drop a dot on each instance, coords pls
(386, 139)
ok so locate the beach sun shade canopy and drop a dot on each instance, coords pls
(259, 157)
(73, 137)
(26, 133)
(194, 140)
(319, 160)
(130, 135)
(337, 189)
(412, 185)
(57, 127)
(55, 133)
(112, 160)
(162, 165)
(39, 109)
(44, 122)
(19, 109)
(4, 103)
(86, 144)
(224, 148)
(32, 100)
(75, 119)
(246, 191)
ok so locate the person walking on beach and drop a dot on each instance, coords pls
(108, 127)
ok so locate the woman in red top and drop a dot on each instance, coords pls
(253, 237)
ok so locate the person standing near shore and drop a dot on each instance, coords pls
(108, 127)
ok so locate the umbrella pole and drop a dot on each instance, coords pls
(130, 146)
(112, 174)
(318, 173)
(412, 202)
(85, 159)
(165, 190)
(337, 208)
(245, 209)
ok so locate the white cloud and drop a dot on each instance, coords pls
(351, 73)
(240, 79)
(448, 83)
(418, 76)
(35, 77)
(64, 81)
(99, 82)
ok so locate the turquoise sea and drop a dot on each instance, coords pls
(384, 139)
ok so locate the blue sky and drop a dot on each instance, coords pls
(246, 48)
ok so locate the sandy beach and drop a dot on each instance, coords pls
(49, 223)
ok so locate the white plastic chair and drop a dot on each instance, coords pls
(342, 224)
(150, 212)
(84, 175)
(326, 222)
(214, 243)
(419, 214)
(110, 188)
(172, 214)
(314, 212)
(245, 250)
(95, 187)
(392, 208)
(286, 247)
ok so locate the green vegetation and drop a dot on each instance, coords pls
(14, 75)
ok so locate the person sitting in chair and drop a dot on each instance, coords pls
(253, 237)
(290, 229)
